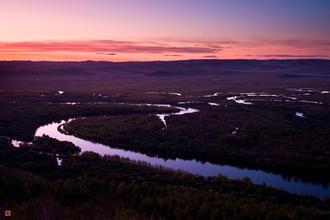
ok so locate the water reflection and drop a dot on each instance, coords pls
(192, 166)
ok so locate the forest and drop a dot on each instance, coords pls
(45, 178)
(88, 186)
(272, 139)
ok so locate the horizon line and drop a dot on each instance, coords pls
(149, 61)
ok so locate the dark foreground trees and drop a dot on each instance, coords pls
(33, 186)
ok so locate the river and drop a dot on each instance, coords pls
(192, 166)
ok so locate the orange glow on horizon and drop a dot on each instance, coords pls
(128, 30)
(111, 50)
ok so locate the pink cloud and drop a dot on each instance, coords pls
(164, 49)
(103, 46)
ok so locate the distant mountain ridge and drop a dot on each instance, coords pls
(283, 68)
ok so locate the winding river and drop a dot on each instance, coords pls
(193, 166)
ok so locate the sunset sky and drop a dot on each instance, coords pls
(122, 30)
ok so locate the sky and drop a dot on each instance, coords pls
(129, 30)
